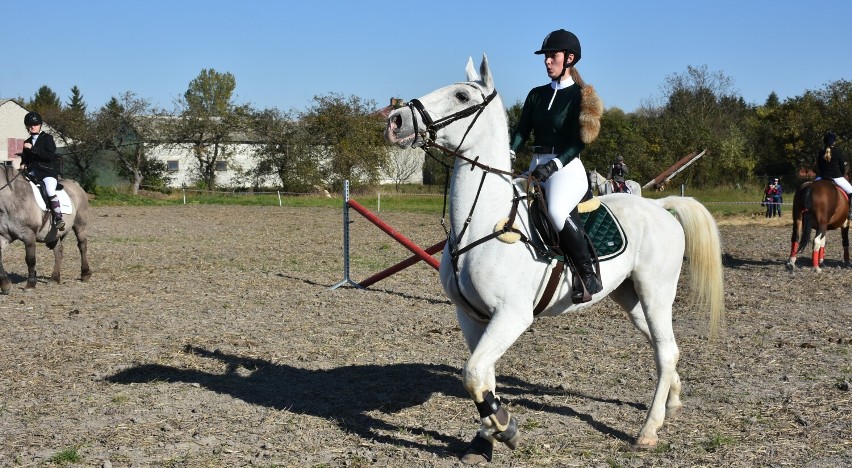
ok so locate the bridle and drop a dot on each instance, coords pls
(428, 136)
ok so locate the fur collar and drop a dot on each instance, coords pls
(591, 110)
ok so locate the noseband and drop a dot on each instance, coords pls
(432, 126)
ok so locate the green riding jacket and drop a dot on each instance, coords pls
(558, 126)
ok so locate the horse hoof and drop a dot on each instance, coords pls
(511, 436)
(85, 277)
(479, 452)
(645, 443)
(674, 411)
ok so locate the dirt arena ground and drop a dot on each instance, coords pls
(208, 336)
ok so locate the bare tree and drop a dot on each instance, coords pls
(403, 164)
(128, 128)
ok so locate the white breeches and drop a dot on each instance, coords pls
(842, 183)
(564, 189)
(49, 186)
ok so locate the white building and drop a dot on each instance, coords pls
(232, 171)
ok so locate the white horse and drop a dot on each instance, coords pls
(604, 185)
(495, 285)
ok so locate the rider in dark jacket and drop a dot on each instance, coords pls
(552, 114)
(831, 165)
(40, 162)
(617, 172)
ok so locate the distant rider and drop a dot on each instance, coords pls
(831, 165)
(617, 172)
(40, 162)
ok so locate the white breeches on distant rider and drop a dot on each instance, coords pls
(564, 189)
(49, 184)
(842, 183)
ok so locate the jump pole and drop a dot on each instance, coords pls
(419, 253)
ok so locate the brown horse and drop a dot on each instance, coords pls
(823, 206)
(22, 219)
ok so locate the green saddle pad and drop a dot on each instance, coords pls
(605, 231)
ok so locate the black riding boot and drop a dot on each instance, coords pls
(572, 243)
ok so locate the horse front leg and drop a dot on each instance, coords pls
(844, 236)
(56, 276)
(488, 343)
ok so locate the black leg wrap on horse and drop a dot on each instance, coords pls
(479, 446)
(508, 436)
(488, 406)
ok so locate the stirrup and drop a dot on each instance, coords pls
(59, 224)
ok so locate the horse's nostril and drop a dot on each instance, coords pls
(396, 122)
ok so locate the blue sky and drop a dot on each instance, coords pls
(283, 53)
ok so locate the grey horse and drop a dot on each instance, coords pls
(22, 219)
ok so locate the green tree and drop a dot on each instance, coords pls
(46, 103)
(284, 152)
(346, 138)
(620, 135)
(210, 123)
(700, 111)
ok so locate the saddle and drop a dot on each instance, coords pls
(65, 204)
(620, 187)
(604, 233)
(605, 239)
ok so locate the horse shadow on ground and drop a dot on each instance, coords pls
(345, 395)
(729, 261)
(804, 262)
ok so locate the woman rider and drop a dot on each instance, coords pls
(831, 165)
(40, 160)
(553, 114)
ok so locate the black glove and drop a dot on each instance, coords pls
(543, 171)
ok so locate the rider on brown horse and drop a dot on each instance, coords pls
(831, 165)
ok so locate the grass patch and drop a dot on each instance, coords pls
(722, 202)
(68, 455)
(716, 442)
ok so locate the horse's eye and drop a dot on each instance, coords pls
(463, 97)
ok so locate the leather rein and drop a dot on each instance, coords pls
(428, 136)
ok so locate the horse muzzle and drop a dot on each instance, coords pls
(401, 129)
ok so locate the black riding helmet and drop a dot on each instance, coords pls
(830, 138)
(32, 118)
(561, 40)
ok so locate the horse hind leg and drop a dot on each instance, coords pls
(83, 247)
(819, 246)
(625, 295)
(58, 251)
(651, 313)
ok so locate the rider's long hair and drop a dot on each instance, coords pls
(827, 154)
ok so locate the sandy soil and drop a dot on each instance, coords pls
(208, 336)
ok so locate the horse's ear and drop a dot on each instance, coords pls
(471, 71)
(485, 72)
